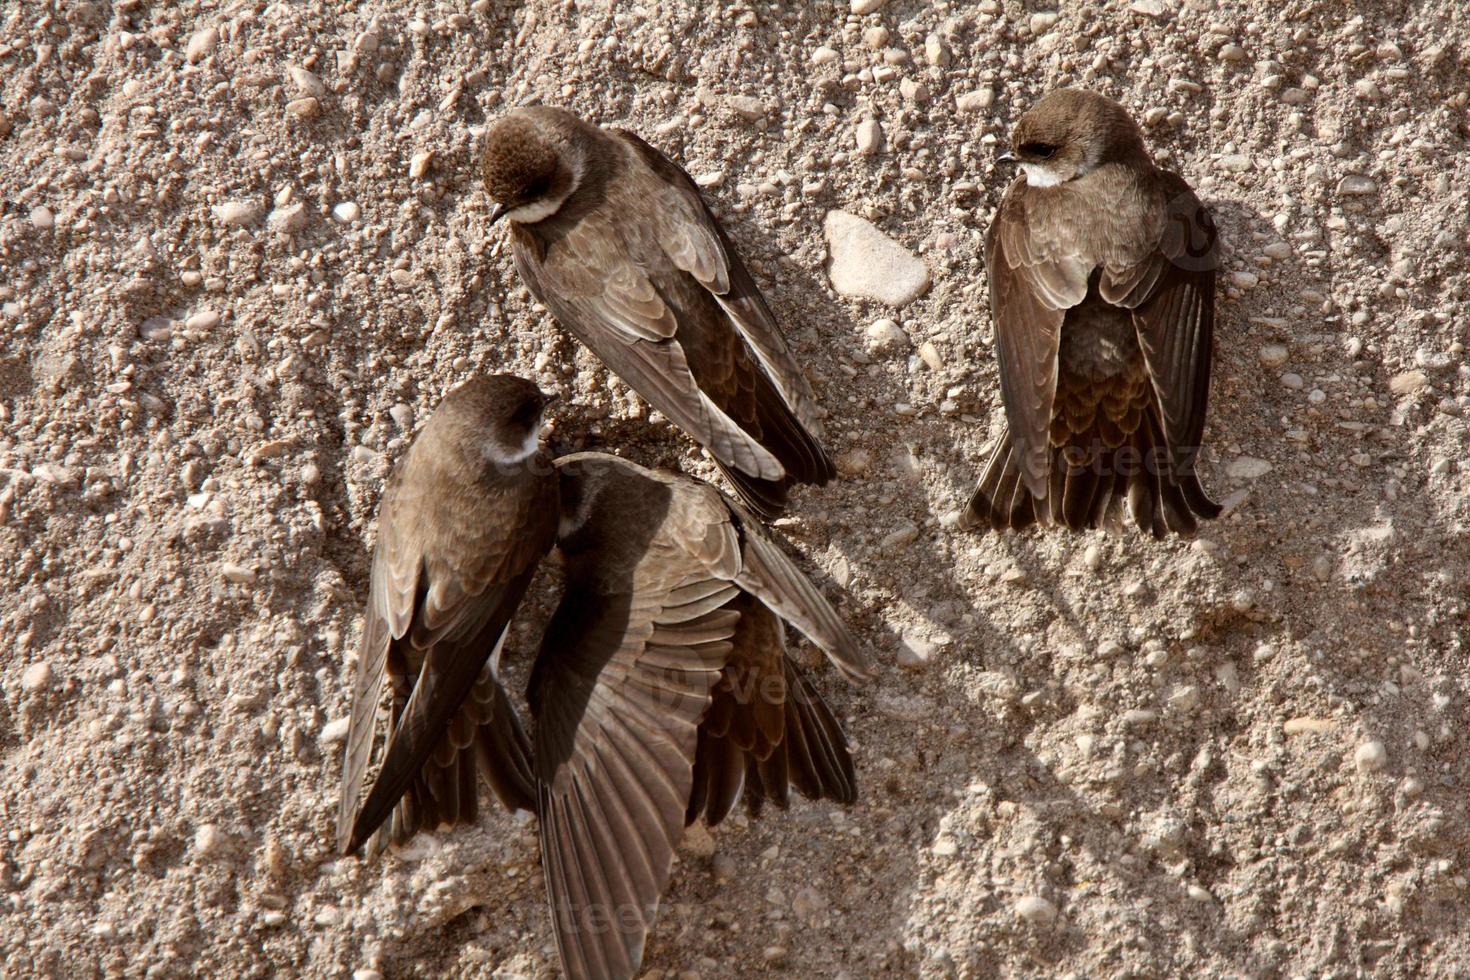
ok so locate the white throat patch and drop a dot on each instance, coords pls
(527, 449)
(529, 214)
(1039, 176)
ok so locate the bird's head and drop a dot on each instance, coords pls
(499, 414)
(533, 161)
(1071, 132)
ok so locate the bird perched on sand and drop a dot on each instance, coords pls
(663, 691)
(466, 518)
(1102, 288)
(615, 240)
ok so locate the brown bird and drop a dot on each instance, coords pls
(615, 239)
(662, 691)
(467, 515)
(1102, 288)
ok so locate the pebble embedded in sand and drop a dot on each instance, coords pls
(1036, 910)
(866, 264)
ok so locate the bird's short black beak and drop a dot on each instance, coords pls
(497, 211)
(1006, 157)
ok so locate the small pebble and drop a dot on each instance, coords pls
(237, 214)
(746, 107)
(866, 264)
(886, 335)
(238, 574)
(42, 219)
(1036, 910)
(210, 842)
(201, 45)
(304, 108)
(976, 101)
(1273, 355)
(869, 137)
(861, 7)
(37, 677)
(307, 82)
(1371, 756)
(346, 212)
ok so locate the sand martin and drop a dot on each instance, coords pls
(467, 516)
(614, 238)
(662, 691)
(1102, 288)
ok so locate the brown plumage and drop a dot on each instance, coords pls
(1102, 285)
(661, 690)
(467, 515)
(615, 239)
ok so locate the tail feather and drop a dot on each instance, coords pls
(1090, 485)
(485, 738)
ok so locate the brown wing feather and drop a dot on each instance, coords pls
(442, 593)
(1172, 295)
(697, 243)
(620, 686)
(1030, 289)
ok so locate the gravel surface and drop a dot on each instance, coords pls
(244, 253)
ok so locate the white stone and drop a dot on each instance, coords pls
(1273, 355)
(288, 220)
(980, 99)
(201, 45)
(746, 107)
(239, 574)
(1248, 468)
(346, 212)
(824, 55)
(1371, 756)
(913, 91)
(1357, 185)
(203, 320)
(42, 219)
(1408, 382)
(237, 214)
(210, 842)
(307, 83)
(418, 165)
(1036, 910)
(335, 731)
(936, 52)
(916, 651)
(869, 137)
(37, 677)
(886, 335)
(866, 264)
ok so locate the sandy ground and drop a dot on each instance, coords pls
(225, 308)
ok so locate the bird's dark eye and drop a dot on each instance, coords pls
(1042, 151)
(526, 415)
(535, 188)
